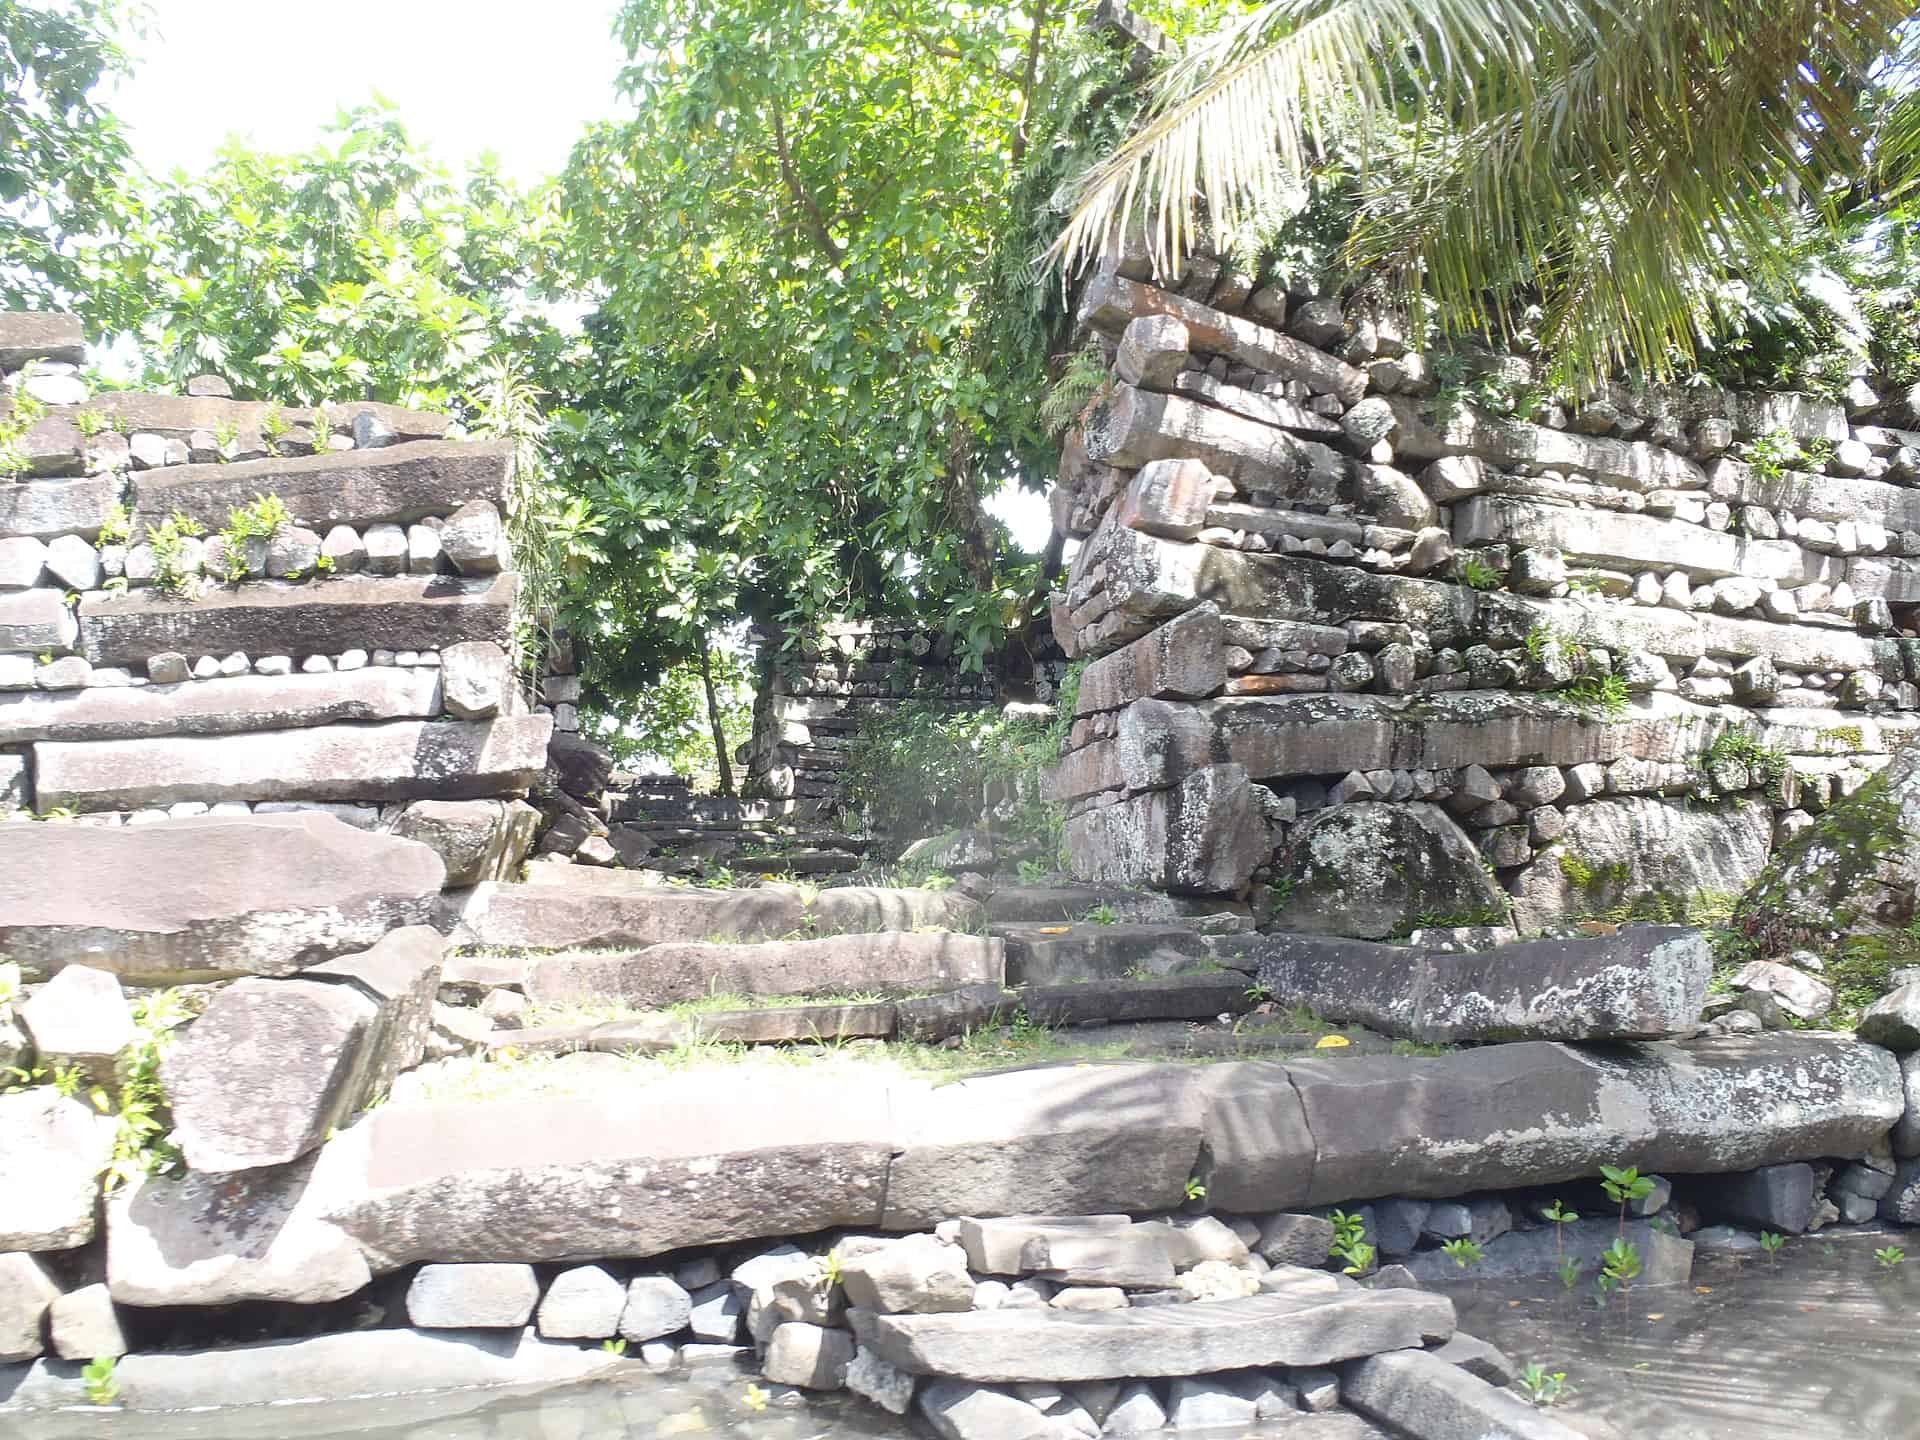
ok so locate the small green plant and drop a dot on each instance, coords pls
(97, 1375)
(1350, 1244)
(614, 1347)
(1772, 453)
(1477, 574)
(1603, 695)
(830, 1268)
(1195, 1190)
(1543, 1388)
(1620, 1266)
(1773, 1242)
(89, 423)
(117, 527)
(1083, 381)
(1464, 1253)
(1561, 1218)
(1102, 915)
(755, 1398)
(1569, 1272)
(173, 574)
(1034, 872)
(1259, 993)
(225, 435)
(1890, 1257)
(23, 414)
(1624, 1184)
(142, 1143)
(273, 429)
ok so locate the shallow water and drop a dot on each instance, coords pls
(1822, 1344)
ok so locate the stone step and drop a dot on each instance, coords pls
(1047, 1345)
(638, 1163)
(315, 617)
(796, 862)
(1079, 951)
(893, 961)
(398, 760)
(397, 484)
(1060, 904)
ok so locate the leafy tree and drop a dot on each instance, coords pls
(1577, 172)
(355, 270)
(63, 156)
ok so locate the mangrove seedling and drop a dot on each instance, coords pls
(1543, 1387)
(1350, 1246)
(1464, 1253)
(1891, 1256)
(1772, 1241)
(1620, 1267)
(1561, 1218)
(1195, 1190)
(1569, 1273)
(614, 1347)
(1624, 1184)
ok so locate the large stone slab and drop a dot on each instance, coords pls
(401, 975)
(1133, 428)
(626, 1170)
(34, 622)
(570, 916)
(1054, 1345)
(40, 335)
(222, 1239)
(222, 706)
(1642, 983)
(1650, 855)
(1065, 955)
(850, 908)
(1205, 836)
(1184, 658)
(477, 839)
(1260, 1153)
(1632, 465)
(267, 1072)
(316, 617)
(206, 898)
(1075, 1140)
(666, 974)
(53, 1151)
(45, 509)
(1617, 539)
(1421, 1394)
(398, 484)
(178, 416)
(362, 1363)
(1535, 1113)
(398, 760)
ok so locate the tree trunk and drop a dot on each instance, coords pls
(713, 719)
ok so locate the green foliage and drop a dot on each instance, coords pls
(142, 1143)
(1542, 1388)
(615, 1346)
(1772, 1242)
(1464, 1253)
(667, 723)
(97, 1375)
(1350, 1245)
(920, 769)
(1102, 915)
(117, 527)
(1476, 574)
(1771, 454)
(172, 574)
(22, 414)
(1603, 696)
(63, 156)
(1195, 1190)
(1890, 1257)
(90, 423)
(1082, 382)
(1569, 1272)
(261, 518)
(1620, 1263)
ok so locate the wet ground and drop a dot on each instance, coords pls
(1822, 1343)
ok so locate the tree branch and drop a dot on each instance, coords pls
(1019, 148)
(816, 217)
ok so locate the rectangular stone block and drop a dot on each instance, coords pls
(1638, 542)
(178, 416)
(45, 509)
(319, 617)
(33, 622)
(222, 706)
(40, 335)
(397, 484)
(400, 760)
(1632, 465)
(1268, 409)
(1819, 497)
(1184, 658)
(1133, 428)
(1110, 301)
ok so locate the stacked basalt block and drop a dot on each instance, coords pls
(1504, 632)
(361, 663)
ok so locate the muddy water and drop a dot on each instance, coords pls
(1820, 1344)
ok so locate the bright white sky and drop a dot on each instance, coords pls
(467, 77)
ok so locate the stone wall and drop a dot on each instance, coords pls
(1354, 631)
(811, 700)
(360, 664)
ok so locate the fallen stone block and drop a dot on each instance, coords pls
(850, 909)
(472, 1297)
(1372, 870)
(413, 612)
(933, 1018)
(1088, 1139)
(53, 1151)
(810, 1356)
(665, 974)
(223, 1239)
(1422, 1395)
(1173, 997)
(400, 760)
(583, 1303)
(1055, 955)
(1642, 983)
(634, 1171)
(1201, 1338)
(27, 1292)
(206, 898)
(80, 1020)
(915, 1275)
(959, 1411)
(84, 1326)
(1773, 1197)
(478, 840)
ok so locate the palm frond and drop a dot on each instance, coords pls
(1235, 119)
